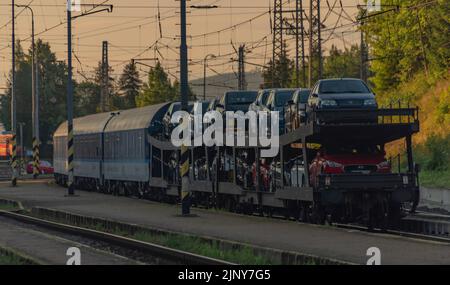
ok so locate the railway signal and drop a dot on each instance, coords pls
(13, 102)
(184, 161)
(70, 141)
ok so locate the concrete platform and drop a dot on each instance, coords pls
(341, 244)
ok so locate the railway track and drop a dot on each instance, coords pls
(173, 256)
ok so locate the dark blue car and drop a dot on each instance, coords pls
(341, 93)
(278, 101)
(346, 100)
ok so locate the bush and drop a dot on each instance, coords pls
(437, 153)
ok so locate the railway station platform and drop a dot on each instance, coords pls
(328, 242)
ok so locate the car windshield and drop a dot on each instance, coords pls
(356, 150)
(237, 98)
(304, 95)
(282, 97)
(177, 107)
(343, 86)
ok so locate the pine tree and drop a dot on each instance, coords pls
(278, 74)
(114, 100)
(191, 95)
(157, 90)
(129, 85)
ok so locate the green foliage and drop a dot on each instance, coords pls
(130, 85)
(443, 107)
(340, 64)
(409, 40)
(435, 179)
(87, 98)
(52, 92)
(114, 100)
(191, 95)
(434, 157)
(10, 257)
(157, 90)
(438, 153)
(278, 74)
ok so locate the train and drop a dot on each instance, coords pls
(126, 153)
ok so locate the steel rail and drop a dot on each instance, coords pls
(178, 256)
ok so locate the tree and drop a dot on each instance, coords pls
(191, 95)
(87, 98)
(157, 90)
(114, 101)
(129, 85)
(342, 63)
(278, 74)
(52, 91)
(405, 42)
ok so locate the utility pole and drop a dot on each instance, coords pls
(300, 38)
(13, 101)
(104, 98)
(362, 46)
(315, 42)
(184, 162)
(294, 27)
(363, 66)
(278, 46)
(34, 98)
(241, 70)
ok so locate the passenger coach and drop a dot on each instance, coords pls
(111, 149)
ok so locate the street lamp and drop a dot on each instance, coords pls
(204, 73)
(34, 97)
(70, 141)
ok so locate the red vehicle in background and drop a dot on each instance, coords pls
(348, 160)
(45, 167)
(5, 146)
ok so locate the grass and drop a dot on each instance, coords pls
(435, 179)
(10, 258)
(8, 207)
(243, 255)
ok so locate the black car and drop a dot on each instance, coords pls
(236, 101)
(345, 93)
(341, 93)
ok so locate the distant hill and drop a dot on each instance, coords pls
(218, 84)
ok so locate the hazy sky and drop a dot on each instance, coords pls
(133, 32)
